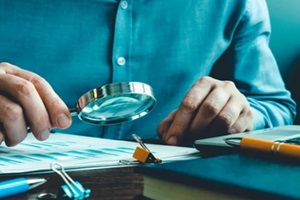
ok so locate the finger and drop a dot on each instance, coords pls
(232, 111)
(243, 123)
(165, 125)
(187, 110)
(226, 118)
(24, 93)
(235, 116)
(208, 111)
(59, 113)
(13, 126)
(56, 108)
(1, 134)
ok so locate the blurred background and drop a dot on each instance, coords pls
(285, 43)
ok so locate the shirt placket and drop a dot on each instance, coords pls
(122, 38)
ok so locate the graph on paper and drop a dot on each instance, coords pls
(77, 152)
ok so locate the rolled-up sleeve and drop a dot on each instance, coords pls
(254, 70)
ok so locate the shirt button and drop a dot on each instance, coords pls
(121, 61)
(124, 4)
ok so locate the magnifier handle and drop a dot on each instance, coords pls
(73, 111)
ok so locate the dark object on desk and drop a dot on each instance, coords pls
(228, 176)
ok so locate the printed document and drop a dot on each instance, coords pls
(79, 152)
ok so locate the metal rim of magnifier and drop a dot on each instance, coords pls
(113, 90)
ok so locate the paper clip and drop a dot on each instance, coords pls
(72, 189)
(143, 154)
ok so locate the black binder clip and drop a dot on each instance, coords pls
(72, 189)
(143, 154)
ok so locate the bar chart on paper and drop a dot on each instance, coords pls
(77, 152)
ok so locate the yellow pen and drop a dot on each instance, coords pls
(278, 148)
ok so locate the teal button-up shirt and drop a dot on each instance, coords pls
(77, 45)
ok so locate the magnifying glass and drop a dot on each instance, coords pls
(115, 103)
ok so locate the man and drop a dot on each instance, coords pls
(208, 62)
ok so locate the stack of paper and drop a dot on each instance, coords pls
(78, 152)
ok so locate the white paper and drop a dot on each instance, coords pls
(79, 152)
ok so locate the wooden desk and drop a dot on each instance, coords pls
(116, 183)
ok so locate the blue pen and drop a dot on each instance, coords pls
(19, 185)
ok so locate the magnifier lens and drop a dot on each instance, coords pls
(116, 106)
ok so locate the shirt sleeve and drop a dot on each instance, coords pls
(250, 64)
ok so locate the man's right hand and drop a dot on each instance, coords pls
(28, 101)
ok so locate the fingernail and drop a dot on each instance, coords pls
(63, 120)
(172, 140)
(231, 131)
(44, 134)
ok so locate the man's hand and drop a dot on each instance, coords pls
(211, 107)
(27, 100)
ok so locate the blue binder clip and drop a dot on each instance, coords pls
(72, 189)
